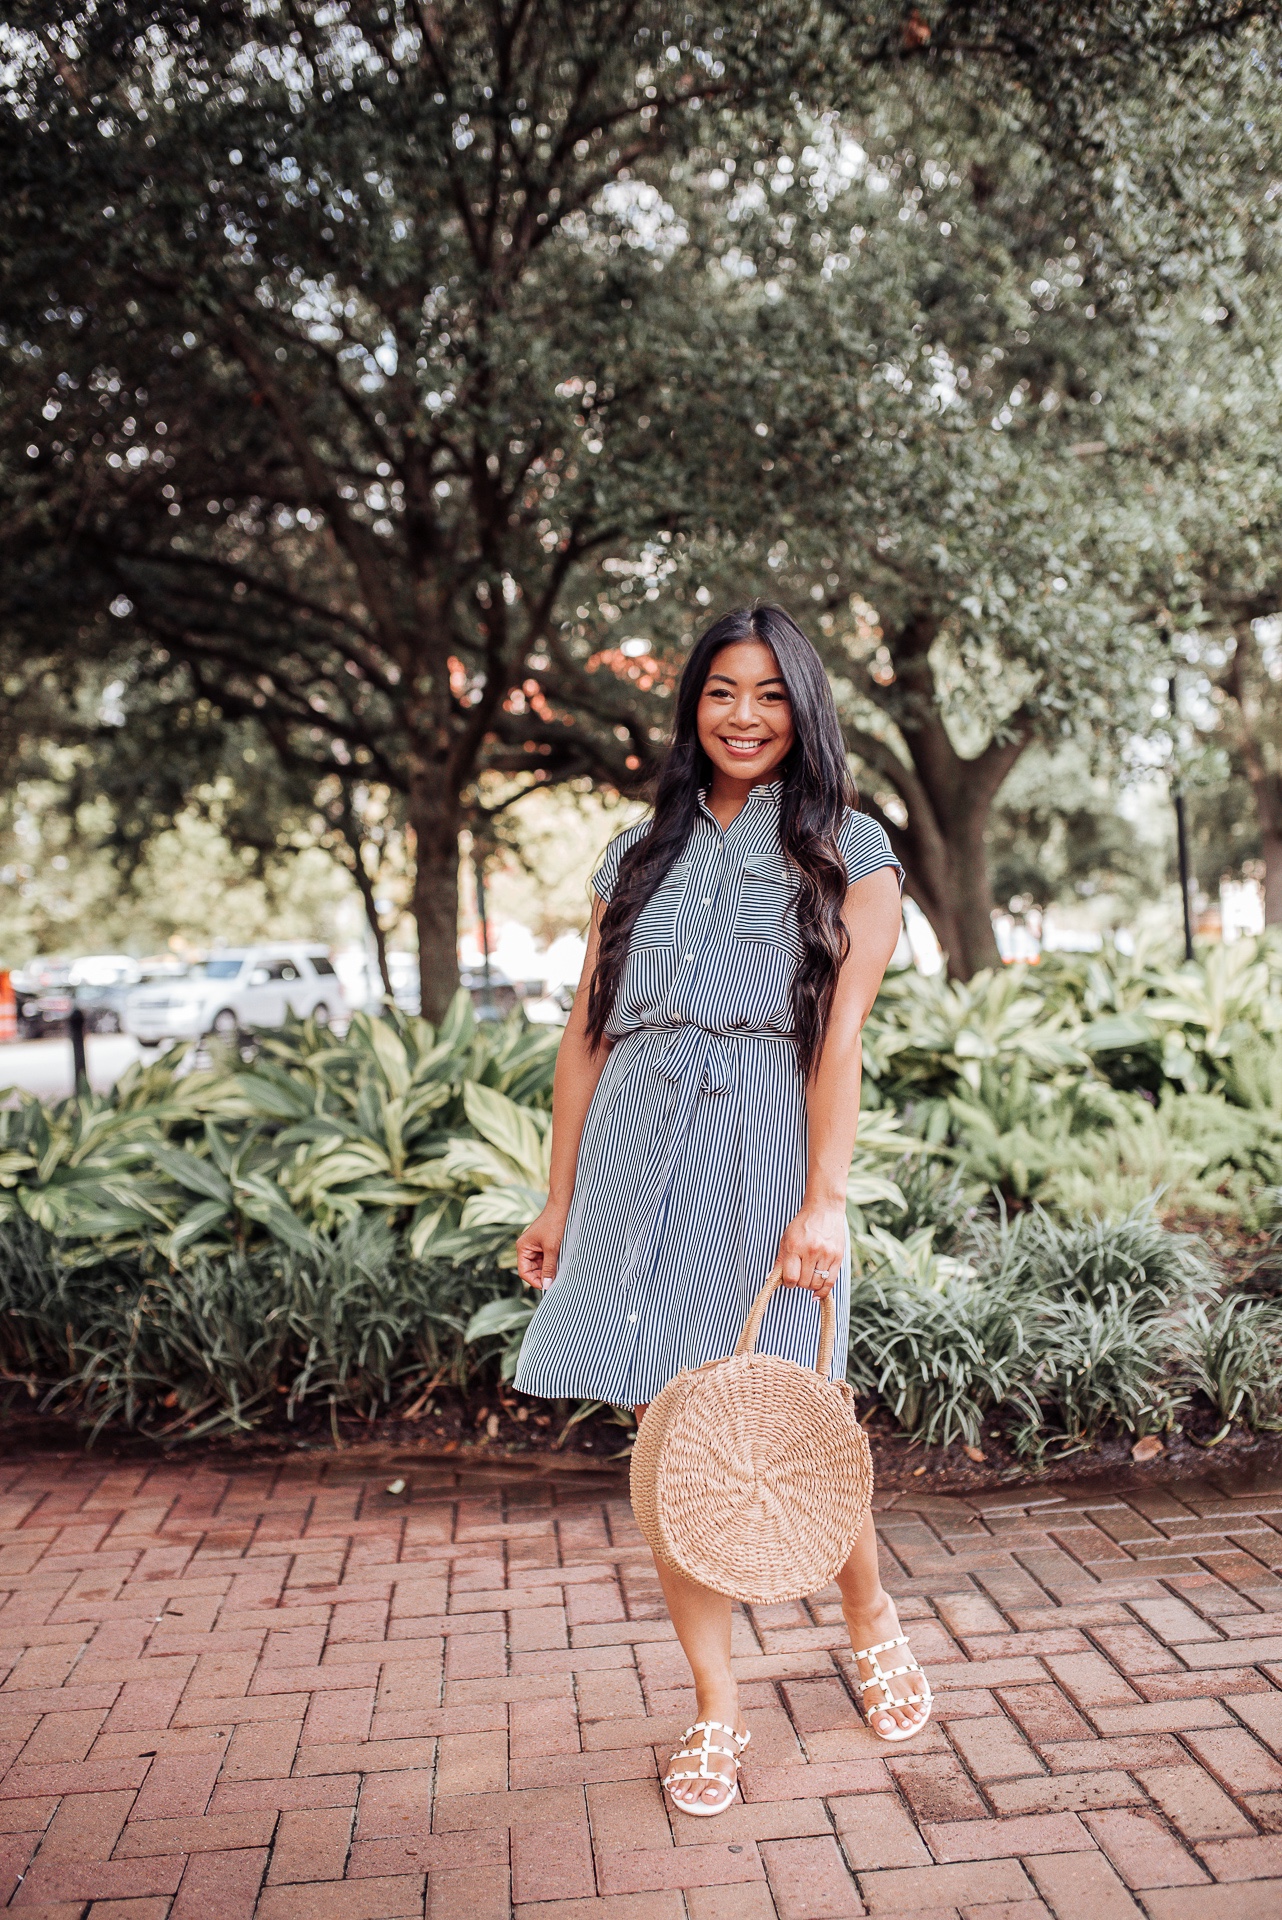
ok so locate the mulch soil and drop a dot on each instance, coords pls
(491, 1424)
(489, 1428)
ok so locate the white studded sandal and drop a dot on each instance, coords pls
(702, 1809)
(881, 1677)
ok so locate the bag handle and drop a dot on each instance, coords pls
(747, 1342)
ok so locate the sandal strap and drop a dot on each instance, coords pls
(882, 1646)
(882, 1676)
(887, 1673)
(708, 1727)
(707, 1747)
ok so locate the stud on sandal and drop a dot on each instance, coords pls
(701, 1809)
(881, 1677)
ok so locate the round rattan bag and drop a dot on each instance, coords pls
(752, 1475)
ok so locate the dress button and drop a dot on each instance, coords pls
(705, 903)
(633, 1318)
(686, 962)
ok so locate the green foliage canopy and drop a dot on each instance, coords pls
(356, 344)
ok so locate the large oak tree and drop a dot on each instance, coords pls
(362, 370)
(330, 315)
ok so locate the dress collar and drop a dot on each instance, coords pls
(762, 799)
(769, 792)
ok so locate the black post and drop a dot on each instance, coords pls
(1181, 829)
(1182, 838)
(487, 1003)
(76, 1027)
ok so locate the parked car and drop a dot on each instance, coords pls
(43, 998)
(502, 993)
(103, 970)
(104, 982)
(235, 991)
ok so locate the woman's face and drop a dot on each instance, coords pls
(745, 718)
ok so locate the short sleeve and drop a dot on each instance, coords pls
(606, 876)
(865, 846)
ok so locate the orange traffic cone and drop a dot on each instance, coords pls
(8, 1008)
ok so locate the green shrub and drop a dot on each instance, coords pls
(933, 1341)
(214, 1344)
(324, 1222)
(1090, 1083)
(1064, 1327)
(315, 1133)
(333, 1222)
(1232, 1350)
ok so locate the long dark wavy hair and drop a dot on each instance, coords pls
(816, 788)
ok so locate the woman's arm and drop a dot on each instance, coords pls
(815, 1240)
(578, 1069)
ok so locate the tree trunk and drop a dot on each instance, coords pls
(963, 894)
(1245, 684)
(355, 839)
(1272, 879)
(943, 850)
(433, 816)
(373, 922)
(946, 860)
(948, 800)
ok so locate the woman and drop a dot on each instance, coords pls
(706, 1102)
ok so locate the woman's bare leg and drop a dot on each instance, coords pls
(871, 1618)
(702, 1621)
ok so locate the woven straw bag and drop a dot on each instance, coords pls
(752, 1475)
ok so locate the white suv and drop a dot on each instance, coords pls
(235, 991)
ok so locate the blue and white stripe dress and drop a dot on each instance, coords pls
(693, 1156)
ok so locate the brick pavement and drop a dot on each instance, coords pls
(276, 1690)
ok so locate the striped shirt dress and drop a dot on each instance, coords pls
(693, 1156)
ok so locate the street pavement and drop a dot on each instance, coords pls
(284, 1691)
(44, 1067)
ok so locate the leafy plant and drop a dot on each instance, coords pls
(505, 1320)
(333, 1222)
(313, 1136)
(1066, 1327)
(205, 1241)
(1232, 1349)
(933, 1341)
(928, 1039)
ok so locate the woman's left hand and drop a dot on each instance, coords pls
(813, 1248)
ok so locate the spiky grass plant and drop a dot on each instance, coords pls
(1232, 1350)
(935, 1342)
(1065, 1327)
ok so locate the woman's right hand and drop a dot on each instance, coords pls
(539, 1247)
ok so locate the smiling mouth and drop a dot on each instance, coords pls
(743, 746)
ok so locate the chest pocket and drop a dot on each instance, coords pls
(767, 905)
(656, 924)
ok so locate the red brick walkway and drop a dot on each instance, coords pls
(282, 1692)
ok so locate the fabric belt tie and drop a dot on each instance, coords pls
(694, 1062)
